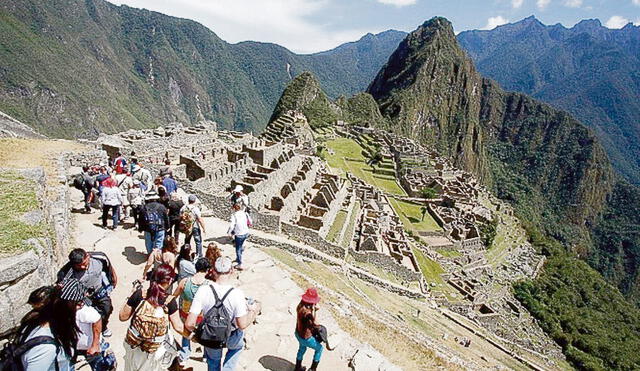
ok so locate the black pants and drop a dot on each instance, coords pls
(174, 228)
(135, 213)
(115, 212)
(104, 306)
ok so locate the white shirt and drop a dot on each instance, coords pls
(111, 196)
(85, 318)
(235, 303)
(240, 221)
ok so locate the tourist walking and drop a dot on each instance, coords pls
(186, 267)
(95, 272)
(174, 205)
(197, 228)
(90, 344)
(150, 317)
(111, 200)
(239, 231)
(167, 256)
(238, 197)
(307, 329)
(120, 164)
(153, 221)
(186, 291)
(136, 200)
(87, 187)
(49, 334)
(143, 175)
(170, 183)
(240, 314)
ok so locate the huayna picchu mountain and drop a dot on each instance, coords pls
(589, 70)
(78, 68)
(547, 164)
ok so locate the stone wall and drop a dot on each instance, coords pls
(387, 263)
(311, 238)
(35, 267)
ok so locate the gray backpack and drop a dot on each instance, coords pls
(215, 328)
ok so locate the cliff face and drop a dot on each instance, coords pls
(539, 158)
(429, 89)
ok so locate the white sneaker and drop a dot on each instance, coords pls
(107, 333)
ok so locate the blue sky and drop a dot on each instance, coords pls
(307, 26)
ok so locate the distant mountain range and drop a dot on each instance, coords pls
(79, 67)
(588, 70)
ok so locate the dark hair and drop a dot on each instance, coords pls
(185, 252)
(118, 154)
(203, 265)
(76, 256)
(41, 295)
(167, 161)
(305, 315)
(85, 168)
(170, 245)
(156, 294)
(60, 314)
(162, 193)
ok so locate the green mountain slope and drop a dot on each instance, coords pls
(76, 68)
(591, 71)
(550, 167)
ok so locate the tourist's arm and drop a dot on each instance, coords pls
(96, 329)
(246, 320)
(177, 325)
(150, 260)
(114, 276)
(127, 310)
(190, 323)
(178, 291)
(232, 224)
(201, 222)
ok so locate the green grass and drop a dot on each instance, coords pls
(348, 235)
(17, 196)
(449, 253)
(411, 216)
(336, 227)
(347, 157)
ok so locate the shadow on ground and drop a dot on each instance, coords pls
(134, 257)
(222, 240)
(274, 363)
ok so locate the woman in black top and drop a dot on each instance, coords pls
(174, 205)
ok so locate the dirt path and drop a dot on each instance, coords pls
(271, 343)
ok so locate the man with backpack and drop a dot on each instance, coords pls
(191, 212)
(95, 272)
(84, 182)
(153, 221)
(120, 164)
(225, 315)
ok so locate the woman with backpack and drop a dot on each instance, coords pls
(150, 316)
(157, 257)
(47, 337)
(186, 290)
(307, 331)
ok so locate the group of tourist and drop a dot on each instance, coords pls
(186, 290)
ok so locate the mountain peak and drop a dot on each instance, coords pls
(587, 25)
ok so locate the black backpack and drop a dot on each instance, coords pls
(215, 328)
(151, 220)
(78, 182)
(12, 352)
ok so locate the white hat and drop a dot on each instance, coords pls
(223, 265)
(152, 196)
(135, 168)
(238, 188)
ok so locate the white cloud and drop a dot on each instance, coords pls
(516, 4)
(494, 22)
(574, 3)
(637, 22)
(398, 3)
(616, 22)
(636, 2)
(542, 4)
(285, 22)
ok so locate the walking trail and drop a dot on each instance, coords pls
(271, 342)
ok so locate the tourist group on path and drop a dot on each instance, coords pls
(187, 291)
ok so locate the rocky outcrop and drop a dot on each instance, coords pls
(12, 128)
(529, 153)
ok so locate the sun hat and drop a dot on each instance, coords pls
(238, 188)
(311, 296)
(223, 265)
(152, 196)
(73, 290)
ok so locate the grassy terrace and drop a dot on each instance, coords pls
(347, 157)
(348, 235)
(336, 227)
(411, 216)
(17, 197)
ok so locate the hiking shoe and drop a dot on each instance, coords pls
(107, 333)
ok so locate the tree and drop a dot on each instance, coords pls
(429, 193)
(424, 210)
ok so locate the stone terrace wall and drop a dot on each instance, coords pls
(311, 238)
(21, 274)
(387, 263)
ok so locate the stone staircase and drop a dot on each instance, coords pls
(280, 129)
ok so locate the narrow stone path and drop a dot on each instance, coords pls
(271, 343)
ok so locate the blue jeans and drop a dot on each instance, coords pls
(309, 343)
(115, 214)
(234, 348)
(153, 240)
(238, 242)
(197, 238)
(185, 352)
